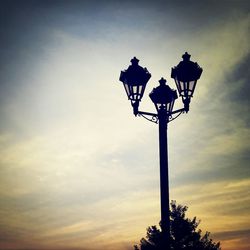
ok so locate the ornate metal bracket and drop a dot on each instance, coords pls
(171, 118)
(154, 117)
(149, 116)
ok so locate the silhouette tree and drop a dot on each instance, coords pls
(183, 234)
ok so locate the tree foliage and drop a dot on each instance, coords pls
(184, 234)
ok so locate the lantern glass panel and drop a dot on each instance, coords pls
(167, 106)
(140, 89)
(191, 85)
(182, 86)
(191, 88)
(127, 89)
(133, 92)
(134, 89)
(177, 85)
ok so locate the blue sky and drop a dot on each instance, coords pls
(78, 170)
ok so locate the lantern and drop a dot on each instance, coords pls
(163, 97)
(134, 80)
(186, 74)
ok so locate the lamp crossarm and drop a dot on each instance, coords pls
(146, 113)
(152, 117)
(178, 111)
(149, 116)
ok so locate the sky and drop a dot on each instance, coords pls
(77, 169)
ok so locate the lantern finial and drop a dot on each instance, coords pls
(186, 57)
(134, 61)
(162, 81)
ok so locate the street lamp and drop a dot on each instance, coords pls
(135, 78)
(186, 74)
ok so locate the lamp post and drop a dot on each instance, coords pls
(135, 78)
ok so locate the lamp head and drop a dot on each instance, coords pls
(135, 79)
(163, 97)
(186, 74)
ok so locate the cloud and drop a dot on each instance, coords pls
(233, 239)
(228, 235)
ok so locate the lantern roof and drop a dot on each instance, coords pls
(163, 94)
(135, 74)
(186, 70)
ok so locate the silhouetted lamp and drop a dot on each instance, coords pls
(135, 79)
(163, 97)
(186, 74)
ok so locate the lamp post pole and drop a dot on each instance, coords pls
(164, 184)
(135, 78)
